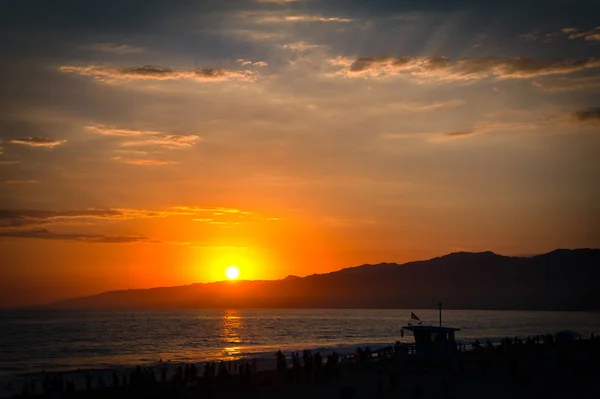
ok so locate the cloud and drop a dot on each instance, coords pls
(416, 107)
(170, 141)
(574, 33)
(573, 84)
(485, 127)
(591, 114)
(570, 33)
(314, 18)
(22, 181)
(213, 210)
(38, 142)
(302, 46)
(277, 17)
(109, 74)
(146, 137)
(114, 131)
(460, 134)
(83, 238)
(143, 162)
(442, 69)
(22, 218)
(244, 62)
(25, 218)
(113, 48)
(277, 1)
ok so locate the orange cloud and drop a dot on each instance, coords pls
(143, 162)
(443, 69)
(114, 131)
(109, 74)
(276, 17)
(38, 142)
(244, 62)
(146, 137)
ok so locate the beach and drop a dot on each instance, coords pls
(524, 369)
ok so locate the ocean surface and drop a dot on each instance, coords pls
(33, 341)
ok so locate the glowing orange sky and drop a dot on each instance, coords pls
(288, 138)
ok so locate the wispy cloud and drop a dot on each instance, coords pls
(83, 238)
(110, 74)
(112, 48)
(442, 69)
(245, 62)
(25, 218)
(569, 84)
(21, 218)
(423, 106)
(575, 33)
(591, 114)
(171, 141)
(22, 181)
(146, 137)
(213, 210)
(460, 134)
(302, 46)
(485, 127)
(38, 142)
(278, 1)
(143, 162)
(115, 131)
(570, 33)
(278, 17)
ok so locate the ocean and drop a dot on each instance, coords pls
(32, 341)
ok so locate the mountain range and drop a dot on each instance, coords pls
(560, 280)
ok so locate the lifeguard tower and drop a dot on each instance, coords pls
(435, 343)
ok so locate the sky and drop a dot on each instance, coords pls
(155, 143)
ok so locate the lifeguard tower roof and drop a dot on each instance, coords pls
(420, 328)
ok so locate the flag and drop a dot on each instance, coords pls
(413, 316)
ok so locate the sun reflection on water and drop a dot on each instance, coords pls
(231, 335)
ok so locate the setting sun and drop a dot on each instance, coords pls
(232, 272)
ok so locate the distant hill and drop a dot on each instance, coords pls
(559, 280)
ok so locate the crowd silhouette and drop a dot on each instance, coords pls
(517, 357)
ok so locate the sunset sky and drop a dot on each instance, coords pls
(154, 143)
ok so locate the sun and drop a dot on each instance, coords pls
(232, 272)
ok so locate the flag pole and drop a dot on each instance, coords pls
(440, 309)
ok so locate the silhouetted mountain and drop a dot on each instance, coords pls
(559, 280)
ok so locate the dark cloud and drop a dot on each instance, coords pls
(589, 114)
(38, 142)
(21, 218)
(84, 238)
(460, 134)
